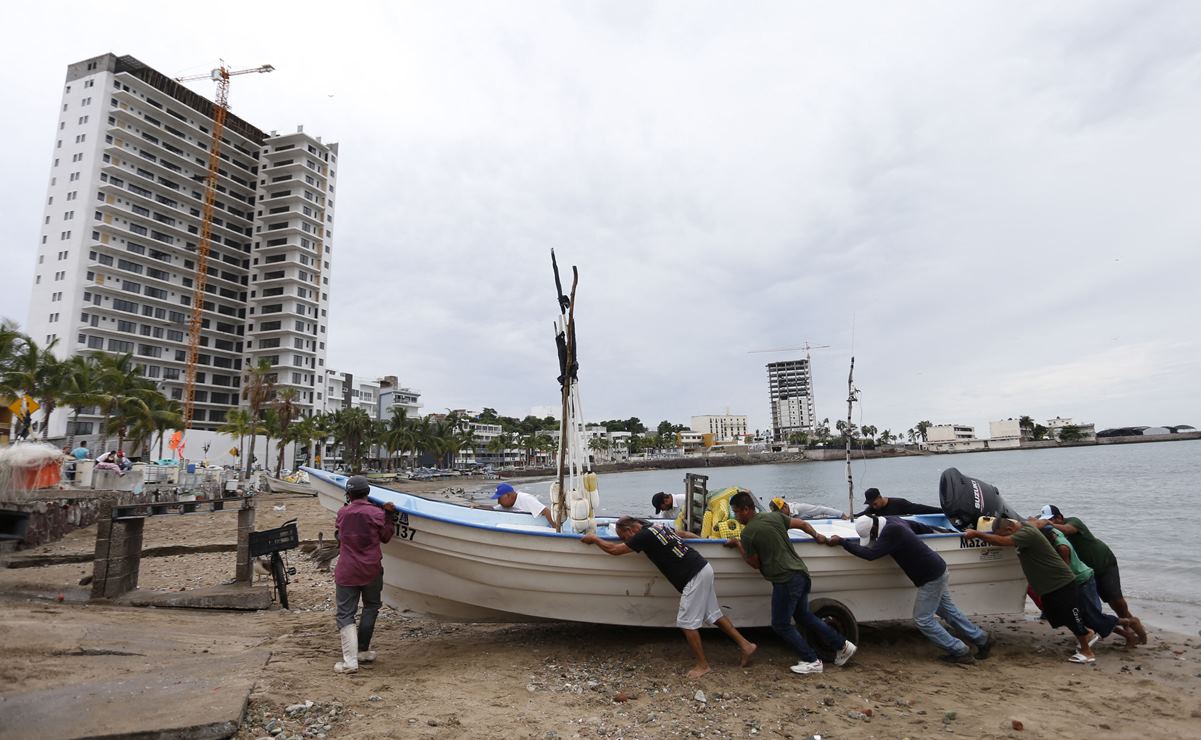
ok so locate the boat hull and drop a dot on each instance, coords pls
(276, 485)
(508, 570)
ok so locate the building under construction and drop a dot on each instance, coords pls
(120, 242)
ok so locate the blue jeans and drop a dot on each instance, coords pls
(790, 600)
(934, 598)
(1090, 609)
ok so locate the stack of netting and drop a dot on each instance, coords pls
(28, 466)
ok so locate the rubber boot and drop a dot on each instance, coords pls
(350, 645)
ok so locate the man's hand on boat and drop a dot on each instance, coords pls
(833, 540)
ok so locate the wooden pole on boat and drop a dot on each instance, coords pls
(564, 436)
(850, 403)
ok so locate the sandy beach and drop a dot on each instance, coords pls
(561, 680)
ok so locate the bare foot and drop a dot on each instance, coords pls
(698, 671)
(746, 654)
(1142, 633)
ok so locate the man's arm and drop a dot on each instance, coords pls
(1004, 540)
(1065, 553)
(684, 534)
(805, 527)
(613, 548)
(1067, 529)
(388, 526)
(912, 508)
(884, 546)
(751, 560)
(550, 519)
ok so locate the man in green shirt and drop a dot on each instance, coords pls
(1049, 577)
(1097, 555)
(1090, 603)
(765, 546)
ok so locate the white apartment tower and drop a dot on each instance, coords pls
(790, 388)
(117, 258)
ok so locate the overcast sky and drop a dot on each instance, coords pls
(996, 202)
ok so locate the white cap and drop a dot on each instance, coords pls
(863, 527)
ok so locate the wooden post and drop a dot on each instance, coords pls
(244, 572)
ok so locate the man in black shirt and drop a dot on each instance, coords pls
(878, 505)
(690, 574)
(928, 571)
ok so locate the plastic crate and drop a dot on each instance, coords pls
(274, 540)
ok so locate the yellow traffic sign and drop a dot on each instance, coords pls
(24, 405)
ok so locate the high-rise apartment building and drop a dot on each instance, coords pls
(117, 259)
(790, 388)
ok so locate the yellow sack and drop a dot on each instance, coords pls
(707, 525)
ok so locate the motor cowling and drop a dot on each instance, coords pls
(965, 499)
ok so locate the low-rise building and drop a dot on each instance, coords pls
(1004, 434)
(1086, 432)
(952, 438)
(725, 427)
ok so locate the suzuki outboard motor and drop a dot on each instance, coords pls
(964, 500)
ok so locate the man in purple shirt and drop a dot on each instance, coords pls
(362, 527)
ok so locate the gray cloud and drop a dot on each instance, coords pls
(997, 197)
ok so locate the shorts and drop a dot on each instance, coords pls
(698, 602)
(1109, 584)
(1062, 607)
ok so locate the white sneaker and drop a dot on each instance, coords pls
(366, 656)
(804, 667)
(845, 654)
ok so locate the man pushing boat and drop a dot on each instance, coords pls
(690, 574)
(361, 528)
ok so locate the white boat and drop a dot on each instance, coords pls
(279, 485)
(462, 564)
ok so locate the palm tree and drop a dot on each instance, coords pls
(121, 394)
(286, 410)
(82, 389)
(921, 427)
(237, 424)
(599, 444)
(868, 431)
(500, 444)
(33, 370)
(157, 415)
(258, 385)
(351, 428)
(395, 435)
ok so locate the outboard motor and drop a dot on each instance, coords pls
(964, 500)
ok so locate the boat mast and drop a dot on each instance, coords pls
(565, 339)
(850, 404)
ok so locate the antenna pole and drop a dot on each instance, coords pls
(850, 403)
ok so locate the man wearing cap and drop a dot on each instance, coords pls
(1090, 604)
(510, 499)
(690, 574)
(1049, 576)
(894, 536)
(667, 505)
(879, 505)
(1097, 555)
(360, 530)
(802, 510)
(765, 546)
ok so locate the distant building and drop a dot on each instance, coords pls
(790, 391)
(952, 438)
(1055, 427)
(724, 427)
(393, 396)
(1004, 434)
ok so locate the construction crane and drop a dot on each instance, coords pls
(221, 76)
(805, 348)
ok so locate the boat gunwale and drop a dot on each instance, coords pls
(325, 477)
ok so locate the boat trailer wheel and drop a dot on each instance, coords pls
(836, 615)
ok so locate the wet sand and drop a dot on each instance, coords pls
(442, 680)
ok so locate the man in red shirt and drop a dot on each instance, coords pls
(362, 527)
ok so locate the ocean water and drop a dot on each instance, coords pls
(1138, 498)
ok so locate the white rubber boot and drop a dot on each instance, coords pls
(350, 648)
(366, 656)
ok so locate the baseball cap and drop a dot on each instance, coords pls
(1049, 512)
(863, 527)
(777, 503)
(871, 495)
(502, 489)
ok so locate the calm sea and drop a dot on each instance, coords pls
(1135, 497)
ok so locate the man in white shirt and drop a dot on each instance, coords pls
(802, 510)
(667, 505)
(509, 499)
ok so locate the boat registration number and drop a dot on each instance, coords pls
(403, 530)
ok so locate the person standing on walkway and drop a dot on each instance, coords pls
(690, 574)
(765, 546)
(1049, 576)
(1097, 555)
(928, 571)
(359, 575)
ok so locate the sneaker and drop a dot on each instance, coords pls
(366, 656)
(965, 659)
(805, 667)
(983, 651)
(843, 655)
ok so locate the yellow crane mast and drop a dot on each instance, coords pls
(221, 76)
